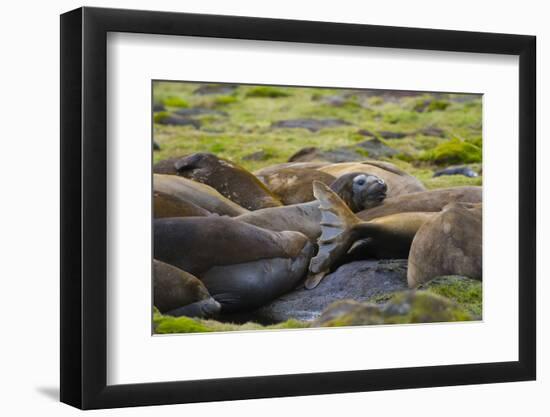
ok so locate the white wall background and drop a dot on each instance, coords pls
(29, 226)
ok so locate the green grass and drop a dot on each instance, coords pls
(247, 129)
(174, 101)
(266, 92)
(454, 151)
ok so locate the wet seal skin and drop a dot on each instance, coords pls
(228, 178)
(242, 266)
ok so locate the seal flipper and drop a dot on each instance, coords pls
(337, 224)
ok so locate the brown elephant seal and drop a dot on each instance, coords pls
(178, 293)
(357, 190)
(433, 200)
(398, 181)
(167, 205)
(242, 266)
(228, 178)
(273, 169)
(295, 185)
(386, 237)
(196, 193)
(450, 243)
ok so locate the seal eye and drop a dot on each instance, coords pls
(361, 182)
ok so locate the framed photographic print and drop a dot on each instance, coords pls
(257, 208)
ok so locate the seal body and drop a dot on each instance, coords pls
(167, 205)
(398, 181)
(228, 178)
(242, 266)
(177, 293)
(450, 243)
(426, 201)
(273, 169)
(198, 194)
(357, 190)
(295, 185)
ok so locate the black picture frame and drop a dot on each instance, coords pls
(84, 207)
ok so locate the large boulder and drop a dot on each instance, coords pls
(359, 281)
(404, 307)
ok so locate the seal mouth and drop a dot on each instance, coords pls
(378, 196)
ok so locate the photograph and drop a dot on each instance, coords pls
(298, 207)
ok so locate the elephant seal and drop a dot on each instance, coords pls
(196, 193)
(273, 169)
(242, 266)
(357, 190)
(228, 178)
(398, 181)
(450, 243)
(295, 185)
(430, 201)
(386, 237)
(178, 293)
(167, 205)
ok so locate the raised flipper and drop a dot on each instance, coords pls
(337, 224)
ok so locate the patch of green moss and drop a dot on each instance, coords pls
(451, 152)
(376, 101)
(224, 100)
(466, 292)
(266, 92)
(217, 147)
(167, 324)
(175, 101)
(423, 307)
(476, 141)
(160, 116)
(398, 308)
(362, 152)
(438, 105)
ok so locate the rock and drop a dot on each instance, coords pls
(385, 134)
(158, 107)
(256, 156)
(404, 307)
(464, 98)
(175, 120)
(335, 155)
(213, 89)
(373, 148)
(199, 111)
(461, 170)
(376, 148)
(365, 132)
(313, 125)
(359, 281)
(432, 131)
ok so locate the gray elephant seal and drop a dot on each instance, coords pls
(228, 178)
(450, 243)
(428, 201)
(398, 181)
(358, 191)
(196, 193)
(242, 266)
(295, 185)
(178, 293)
